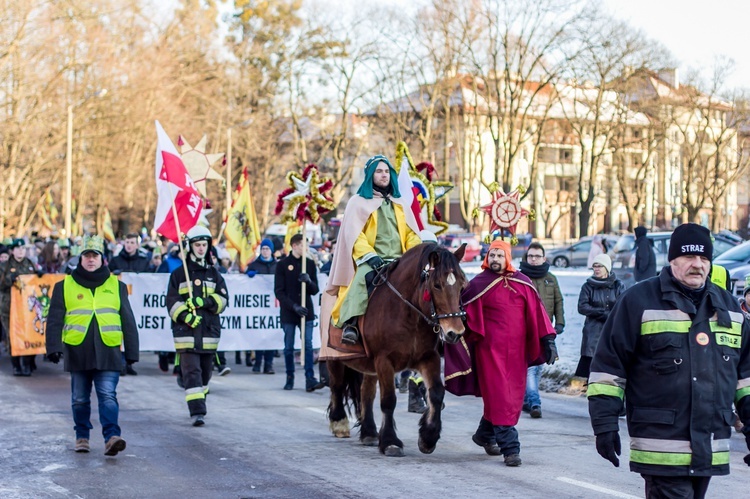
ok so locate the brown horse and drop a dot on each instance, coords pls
(415, 304)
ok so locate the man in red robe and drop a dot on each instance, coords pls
(509, 330)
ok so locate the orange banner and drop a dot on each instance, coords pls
(29, 304)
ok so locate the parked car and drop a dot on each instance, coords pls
(737, 262)
(454, 241)
(572, 255)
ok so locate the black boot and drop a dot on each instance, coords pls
(350, 335)
(416, 398)
(289, 382)
(238, 358)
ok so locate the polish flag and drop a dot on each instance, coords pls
(174, 187)
(409, 193)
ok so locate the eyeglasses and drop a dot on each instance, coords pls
(597, 266)
(534, 257)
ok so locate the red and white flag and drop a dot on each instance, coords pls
(174, 187)
(409, 193)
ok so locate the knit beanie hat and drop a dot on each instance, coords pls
(267, 243)
(604, 260)
(690, 239)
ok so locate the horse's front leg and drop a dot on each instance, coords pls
(368, 432)
(430, 424)
(337, 418)
(389, 444)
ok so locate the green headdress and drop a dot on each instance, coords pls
(93, 243)
(365, 190)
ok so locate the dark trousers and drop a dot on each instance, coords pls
(676, 487)
(264, 359)
(505, 436)
(196, 371)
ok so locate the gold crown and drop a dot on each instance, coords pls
(93, 243)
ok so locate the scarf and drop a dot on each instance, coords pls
(535, 271)
(90, 280)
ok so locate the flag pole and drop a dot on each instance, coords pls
(229, 170)
(303, 292)
(183, 257)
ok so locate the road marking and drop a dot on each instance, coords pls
(596, 488)
(318, 410)
(52, 467)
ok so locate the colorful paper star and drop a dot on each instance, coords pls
(430, 191)
(306, 196)
(198, 163)
(505, 210)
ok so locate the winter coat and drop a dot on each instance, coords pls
(288, 289)
(206, 283)
(549, 291)
(645, 259)
(123, 262)
(680, 364)
(92, 353)
(597, 298)
(261, 267)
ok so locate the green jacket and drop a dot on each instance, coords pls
(549, 290)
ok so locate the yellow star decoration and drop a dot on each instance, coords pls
(198, 163)
(431, 192)
(305, 196)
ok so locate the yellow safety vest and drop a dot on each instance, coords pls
(82, 305)
(719, 276)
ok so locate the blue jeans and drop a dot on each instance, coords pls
(533, 375)
(289, 335)
(105, 383)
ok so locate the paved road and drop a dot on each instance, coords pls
(261, 441)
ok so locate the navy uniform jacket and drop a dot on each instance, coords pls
(680, 367)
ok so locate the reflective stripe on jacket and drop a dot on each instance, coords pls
(82, 304)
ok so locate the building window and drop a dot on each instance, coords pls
(566, 155)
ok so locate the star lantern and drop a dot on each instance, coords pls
(428, 190)
(198, 163)
(306, 197)
(505, 211)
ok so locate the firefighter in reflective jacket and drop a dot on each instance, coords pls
(196, 326)
(677, 349)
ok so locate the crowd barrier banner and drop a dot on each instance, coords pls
(250, 322)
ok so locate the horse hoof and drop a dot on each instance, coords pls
(340, 429)
(394, 451)
(424, 449)
(370, 441)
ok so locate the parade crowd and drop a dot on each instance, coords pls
(671, 354)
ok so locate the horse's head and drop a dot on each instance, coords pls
(442, 282)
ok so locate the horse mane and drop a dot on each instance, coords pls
(423, 253)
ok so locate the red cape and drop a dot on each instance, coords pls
(506, 320)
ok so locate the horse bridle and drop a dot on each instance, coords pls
(434, 318)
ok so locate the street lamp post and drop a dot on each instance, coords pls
(69, 175)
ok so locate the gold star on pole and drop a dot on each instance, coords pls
(198, 163)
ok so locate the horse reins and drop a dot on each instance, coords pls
(433, 320)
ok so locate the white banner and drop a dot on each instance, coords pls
(251, 321)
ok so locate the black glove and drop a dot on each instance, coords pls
(559, 328)
(608, 446)
(550, 350)
(54, 357)
(300, 310)
(375, 262)
(39, 273)
(305, 278)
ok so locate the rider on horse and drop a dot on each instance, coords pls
(376, 229)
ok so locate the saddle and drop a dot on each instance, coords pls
(351, 351)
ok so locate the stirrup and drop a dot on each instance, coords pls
(350, 334)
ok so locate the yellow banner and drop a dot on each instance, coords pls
(29, 304)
